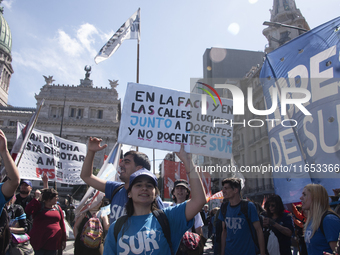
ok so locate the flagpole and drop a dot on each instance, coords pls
(137, 78)
(30, 132)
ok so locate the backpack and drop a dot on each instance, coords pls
(244, 211)
(92, 233)
(160, 216)
(191, 244)
(5, 233)
(115, 191)
(323, 217)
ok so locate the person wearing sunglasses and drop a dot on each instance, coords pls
(278, 223)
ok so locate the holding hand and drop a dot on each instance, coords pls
(185, 158)
(3, 142)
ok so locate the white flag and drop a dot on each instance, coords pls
(129, 30)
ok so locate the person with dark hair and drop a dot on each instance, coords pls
(279, 222)
(18, 227)
(141, 232)
(79, 247)
(205, 215)
(237, 234)
(48, 234)
(132, 161)
(24, 197)
(181, 193)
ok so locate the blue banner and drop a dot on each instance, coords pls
(305, 137)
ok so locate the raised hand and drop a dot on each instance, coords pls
(94, 144)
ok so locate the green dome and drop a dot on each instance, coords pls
(5, 35)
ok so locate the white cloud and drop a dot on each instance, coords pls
(69, 45)
(7, 4)
(253, 1)
(84, 35)
(63, 56)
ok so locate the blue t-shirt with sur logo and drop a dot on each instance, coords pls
(318, 243)
(144, 235)
(239, 239)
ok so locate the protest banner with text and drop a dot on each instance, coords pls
(161, 118)
(59, 158)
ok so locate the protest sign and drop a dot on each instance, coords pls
(59, 158)
(161, 118)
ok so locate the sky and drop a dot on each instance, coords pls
(59, 38)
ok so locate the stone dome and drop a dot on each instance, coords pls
(5, 35)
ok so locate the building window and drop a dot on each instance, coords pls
(56, 111)
(1, 122)
(100, 114)
(64, 185)
(73, 112)
(96, 114)
(80, 113)
(12, 123)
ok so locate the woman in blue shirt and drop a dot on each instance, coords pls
(141, 231)
(315, 200)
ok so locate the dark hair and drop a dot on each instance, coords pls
(279, 207)
(140, 159)
(233, 182)
(47, 194)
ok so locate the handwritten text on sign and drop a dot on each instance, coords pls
(161, 118)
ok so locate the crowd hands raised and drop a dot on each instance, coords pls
(146, 226)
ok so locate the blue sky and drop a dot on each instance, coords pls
(60, 37)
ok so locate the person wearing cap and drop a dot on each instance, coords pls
(141, 233)
(24, 197)
(181, 193)
(132, 161)
(8, 187)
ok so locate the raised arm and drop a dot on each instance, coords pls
(87, 170)
(198, 198)
(45, 180)
(9, 187)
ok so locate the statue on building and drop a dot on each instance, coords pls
(88, 72)
(113, 83)
(48, 80)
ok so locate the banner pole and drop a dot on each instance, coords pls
(28, 135)
(137, 78)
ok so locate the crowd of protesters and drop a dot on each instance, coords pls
(139, 222)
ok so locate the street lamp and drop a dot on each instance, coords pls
(277, 24)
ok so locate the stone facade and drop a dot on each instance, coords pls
(71, 112)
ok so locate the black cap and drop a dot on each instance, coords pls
(181, 182)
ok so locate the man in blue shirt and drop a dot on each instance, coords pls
(236, 237)
(132, 162)
(9, 187)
